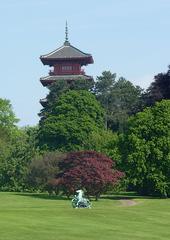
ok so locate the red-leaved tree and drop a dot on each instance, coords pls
(87, 170)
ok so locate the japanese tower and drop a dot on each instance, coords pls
(66, 62)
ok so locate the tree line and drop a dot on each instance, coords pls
(106, 135)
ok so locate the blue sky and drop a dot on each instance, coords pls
(129, 37)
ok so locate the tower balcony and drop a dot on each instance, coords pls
(71, 72)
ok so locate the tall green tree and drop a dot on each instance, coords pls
(145, 150)
(72, 118)
(120, 98)
(103, 87)
(125, 100)
(60, 87)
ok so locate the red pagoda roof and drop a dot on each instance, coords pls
(67, 52)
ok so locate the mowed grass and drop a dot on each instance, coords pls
(39, 217)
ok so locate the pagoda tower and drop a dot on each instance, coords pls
(66, 62)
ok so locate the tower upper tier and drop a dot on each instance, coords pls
(66, 53)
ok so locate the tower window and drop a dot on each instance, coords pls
(66, 68)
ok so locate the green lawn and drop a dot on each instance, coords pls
(38, 217)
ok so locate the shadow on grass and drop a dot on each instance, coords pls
(127, 196)
(114, 196)
(42, 196)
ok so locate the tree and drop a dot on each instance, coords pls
(145, 150)
(104, 84)
(159, 89)
(43, 170)
(87, 170)
(124, 101)
(7, 122)
(72, 118)
(7, 116)
(120, 98)
(14, 166)
(17, 147)
(106, 142)
(7, 128)
(102, 90)
(60, 87)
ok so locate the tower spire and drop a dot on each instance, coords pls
(66, 32)
(66, 35)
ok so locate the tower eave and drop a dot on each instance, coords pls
(52, 61)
